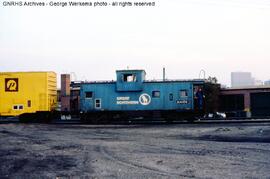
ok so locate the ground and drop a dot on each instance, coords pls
(135, 151)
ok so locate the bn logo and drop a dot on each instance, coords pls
(11, 84)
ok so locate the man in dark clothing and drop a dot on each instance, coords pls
(199, 97)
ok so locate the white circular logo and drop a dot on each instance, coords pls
(145, 99)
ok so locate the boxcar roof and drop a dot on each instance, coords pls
(16, 72)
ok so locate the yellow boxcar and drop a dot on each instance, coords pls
(27, 92)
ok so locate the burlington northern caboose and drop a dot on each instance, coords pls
(131, 96)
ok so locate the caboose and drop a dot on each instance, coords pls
(131, 96)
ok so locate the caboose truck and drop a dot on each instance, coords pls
(131, 96)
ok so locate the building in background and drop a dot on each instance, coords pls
(69, 94)
(65, 92)
(239, 79)
(267, 82)
(258, 82)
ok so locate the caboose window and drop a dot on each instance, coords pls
(15, 107)
(129, 77)
(171, 97)
(20, 106)
(89, 94)
(183, 93)
(155, 94)
(98, 103)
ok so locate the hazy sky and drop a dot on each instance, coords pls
(184, 36)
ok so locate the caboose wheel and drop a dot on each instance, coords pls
(169, 121)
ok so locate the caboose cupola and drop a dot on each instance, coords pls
(130, 80)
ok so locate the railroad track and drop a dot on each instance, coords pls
(152, 122)
(160, 122)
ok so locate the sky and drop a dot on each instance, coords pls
(184, 36)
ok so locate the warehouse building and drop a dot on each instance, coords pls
(240, 79)
(250, 101)
(69, 95)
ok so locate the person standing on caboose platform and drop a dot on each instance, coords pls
(199, 97)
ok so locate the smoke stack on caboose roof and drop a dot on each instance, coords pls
(164, 74)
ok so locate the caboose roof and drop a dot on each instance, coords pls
(131, 70)
(149, 81)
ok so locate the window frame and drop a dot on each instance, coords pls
(154, 94)
(126, 77)
(171, 97)
(185, 91)
(18, 107)
(89, 92)
(98, 103)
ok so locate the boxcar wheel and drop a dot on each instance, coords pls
(27, 117)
